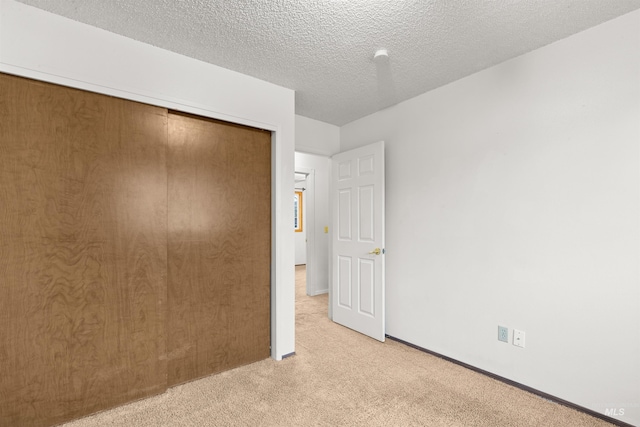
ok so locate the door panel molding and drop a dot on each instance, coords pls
(357, 297)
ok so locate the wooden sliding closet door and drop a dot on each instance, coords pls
(219, 246)
(83, 213)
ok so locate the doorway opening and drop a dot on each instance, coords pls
(305, 239)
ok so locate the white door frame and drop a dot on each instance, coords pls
(309, 222)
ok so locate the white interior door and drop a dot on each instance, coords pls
(358, 239)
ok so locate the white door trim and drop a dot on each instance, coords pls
(309, 222)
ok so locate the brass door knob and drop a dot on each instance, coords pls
(376, 251)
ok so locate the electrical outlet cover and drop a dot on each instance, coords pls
(518, 338)
(503, 333)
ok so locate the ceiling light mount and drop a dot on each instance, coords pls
(381, 55)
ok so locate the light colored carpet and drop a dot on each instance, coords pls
(341, 378)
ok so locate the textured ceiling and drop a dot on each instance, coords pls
(323, 49)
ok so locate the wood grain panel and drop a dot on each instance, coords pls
(219, 246)
(83, 213)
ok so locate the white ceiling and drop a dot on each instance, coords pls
(323, 49)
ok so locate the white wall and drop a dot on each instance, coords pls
(513, 198)
(316, 141)
(316, 137)
(43, 46)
